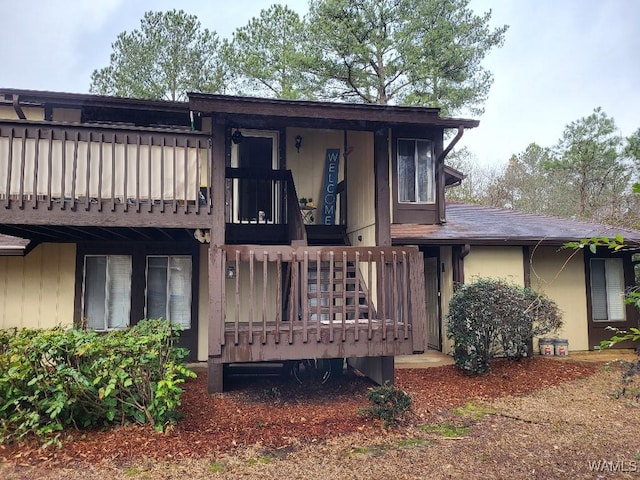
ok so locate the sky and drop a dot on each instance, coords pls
(560, 59)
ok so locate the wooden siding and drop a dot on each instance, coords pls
(37, 291)
(361, 185)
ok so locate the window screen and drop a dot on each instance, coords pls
(107, 291)
(607, 290)
(169, 289)
(416, 175)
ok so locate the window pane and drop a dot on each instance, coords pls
(426, 190)
(95, 277)
(157, 287)
(406, 171)
(615, 289)
(180, 291)
(119, 291)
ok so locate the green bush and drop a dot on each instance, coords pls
(490, 318)
(52, 379)
(388, 403)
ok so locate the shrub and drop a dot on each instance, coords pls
(388, 403)
(492, 317)
(52, 379)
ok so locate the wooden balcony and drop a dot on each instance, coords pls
(103, 175)
(283, 302)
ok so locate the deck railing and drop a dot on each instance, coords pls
(99, 167)
(311, 295)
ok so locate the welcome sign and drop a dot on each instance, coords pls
(332, 161)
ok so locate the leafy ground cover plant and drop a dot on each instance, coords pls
(57, 378)
(388, 403)
(490, 318)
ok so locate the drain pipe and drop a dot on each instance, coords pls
(440, 163)
(18, 108)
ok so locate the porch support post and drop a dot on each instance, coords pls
(216, 259)
(418, 307)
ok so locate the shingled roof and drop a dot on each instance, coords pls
(477, 224)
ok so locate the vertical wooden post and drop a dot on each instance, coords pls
(418, 309)
(216, 260)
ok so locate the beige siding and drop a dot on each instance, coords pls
(307, 166)
(495, 262)
(32, 113)
(446, 292)
(361, 212)
(37, 291)
(565, 284)
(203, 304)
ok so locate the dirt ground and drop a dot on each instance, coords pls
(536, 419)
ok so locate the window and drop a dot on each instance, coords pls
(416, 175)
(607, 290)
(168, 292)
(107, 291)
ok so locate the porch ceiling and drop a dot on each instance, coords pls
(68, 234)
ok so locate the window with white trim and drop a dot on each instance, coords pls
(416, 172)
(107, 291)
(168, 292)
(607, 290)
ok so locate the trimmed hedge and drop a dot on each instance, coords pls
(490, 318)
(52, 379)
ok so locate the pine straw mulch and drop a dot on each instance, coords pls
(280, 415)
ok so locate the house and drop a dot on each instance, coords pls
(191, 211)
(527, 249)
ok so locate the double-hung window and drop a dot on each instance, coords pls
(416, 173)
(168, 293)
(107, 291)
(607, 290)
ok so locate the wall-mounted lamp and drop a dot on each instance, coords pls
(298, 142)
(237, 137)
(231, 271)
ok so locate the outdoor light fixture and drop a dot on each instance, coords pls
(237, 137)
(231, 271)
(298, 142)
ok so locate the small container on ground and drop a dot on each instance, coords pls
(546, 347)
(561, 346)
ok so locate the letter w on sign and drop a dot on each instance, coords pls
(332, 161)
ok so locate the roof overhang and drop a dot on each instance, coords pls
(369, 115)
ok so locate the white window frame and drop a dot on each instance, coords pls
(416, 158)
(106, 326)
(168, 292)
(614, 290)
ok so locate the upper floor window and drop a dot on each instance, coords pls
(416, 173)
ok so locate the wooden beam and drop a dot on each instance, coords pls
(382, 187)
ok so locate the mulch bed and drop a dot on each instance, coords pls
(280, 414)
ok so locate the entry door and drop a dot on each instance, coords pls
(256, 199)
(432, 300)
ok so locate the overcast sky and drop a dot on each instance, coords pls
(561, 59)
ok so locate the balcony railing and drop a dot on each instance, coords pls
(76, 168)
(311, 302)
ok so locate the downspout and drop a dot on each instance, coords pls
(18, 108)
(440, 163)
(458, 268)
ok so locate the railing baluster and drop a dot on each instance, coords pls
(100, 166)
(49, 171)
(265, 280)
(175, 174)
(35, 169)
(138, 149)
(293, 311)
(304, 293)
(23, 161)
(198, 174)
(405, 290)
(113, 173)
(319, 289)
(7, 199)
(278, 295)
(356, 294)
(163, 145)
(237, 319)
(186, 179)
(209, 178)
(63, 179)
(74, 170)
(149, 170)
(126, 174)
(251, 293)
(394, 295)
(331, 292)
(88, 175)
